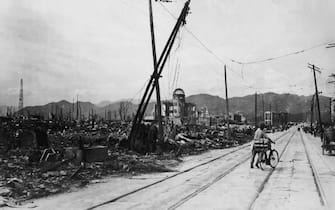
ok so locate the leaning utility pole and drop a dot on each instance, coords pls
(151, 86)
(315, 68)
(156, 76)
(256, 109)
(227, 102)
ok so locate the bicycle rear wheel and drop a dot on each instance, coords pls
(274, 158)
(261, 160)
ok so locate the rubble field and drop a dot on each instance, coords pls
(22, 179)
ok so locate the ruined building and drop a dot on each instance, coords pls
(178, 110)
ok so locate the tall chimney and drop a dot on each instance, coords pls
(21, 95)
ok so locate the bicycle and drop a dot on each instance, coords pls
(261, 148)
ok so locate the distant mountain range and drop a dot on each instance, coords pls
(104, 103)
(85, 109)
(295, 105)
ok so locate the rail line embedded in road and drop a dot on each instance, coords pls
(267, 178)
(316, 178)
(218, 178)
(187, 170)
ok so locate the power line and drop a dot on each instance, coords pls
(196, 38)
(201, 43)
(219, 59)
(327, 44)
(138, 93)
(285, 55)
(241, 76)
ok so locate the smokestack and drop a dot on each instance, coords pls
(21, 95)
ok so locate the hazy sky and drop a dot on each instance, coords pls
(101, 50)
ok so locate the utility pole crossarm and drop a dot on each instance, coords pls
(313, 67)
(330, 45)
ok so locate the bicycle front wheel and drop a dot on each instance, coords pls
(274, 158)
(262, 160)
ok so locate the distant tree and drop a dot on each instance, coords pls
(129, 118)
(115, 114)
(123, 110)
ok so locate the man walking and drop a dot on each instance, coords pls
(259, 135)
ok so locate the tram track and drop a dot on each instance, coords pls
(267, 178)
(320, 154)
(315, 174)
(185, 171)
(218, 178)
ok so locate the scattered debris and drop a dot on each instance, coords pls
(58, 157)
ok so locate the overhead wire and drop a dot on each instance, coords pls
(138, 93)
(249, 62)
(174, 63)
(168, 76)
(178, 67)
(197, 39)
(241, 75)
(177, 76)
(285, 55)
(219, 59)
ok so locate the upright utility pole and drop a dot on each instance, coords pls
(80, 113)
(77, 108)
(61, 112)
(56, 115)
(92, 118)
(227, 102)
(72, 113)
(315, 68)
(156, 76)
(312, 111)
(263, 106)
(330, 110)
(332, 98)
(256, 122)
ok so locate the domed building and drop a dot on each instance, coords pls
(178, 101)
(178, 110)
